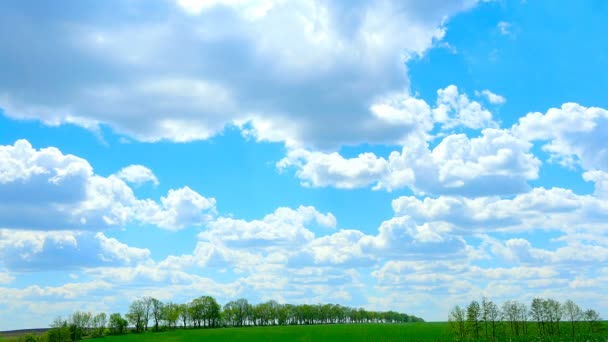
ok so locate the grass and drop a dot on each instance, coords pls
(347, 333)
(408, 332)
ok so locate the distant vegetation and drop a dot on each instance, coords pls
(151, 314)
(149, 319)
(543, 320)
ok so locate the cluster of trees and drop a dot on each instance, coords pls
(543, 317)
(204, 312)
(81, 324)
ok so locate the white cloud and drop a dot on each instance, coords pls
(45, 189)
(556, 208)
(494, 163)
(39, 250)
(402, 237)
(491, 97)
(284, 227)
(600, 178)
(575, 135)
(137, 174)
(454, 109)
(5, 278)
(185, 70)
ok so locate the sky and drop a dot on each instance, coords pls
(390, 155)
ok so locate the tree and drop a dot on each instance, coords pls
(238, 311)
(99, 322)
(515, 314)
(171, 314)
(593, 318)
(456, 320)
(59, 332)
(78, 322)
(573, 313)
(473, 318)
(184, 314)
(117, 324)
(147, 308)
(491, 314)
(537, 313)
(137, 315)
(156, 309)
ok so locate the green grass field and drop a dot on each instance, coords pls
(408, 332)
(354, 332)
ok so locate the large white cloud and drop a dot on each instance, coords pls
(291, 71)
(496, 162)
(574, 134)
(546, 209)
(46, 189)
(37, 250)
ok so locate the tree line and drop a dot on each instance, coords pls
(543, 318)
(151, 314)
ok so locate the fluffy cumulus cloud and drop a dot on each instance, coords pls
(496, 162)
(46, 189)
(573, 135)
(38, 250)
(454, 108)
(137, 174)
(185, 69)
(547, 209)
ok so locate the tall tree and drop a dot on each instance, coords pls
(537, 313)
(99, 324)
(473, 318)
(184, 314)
(156, 309)
(491, 314)
(147, 305)
(456, 320)
(137, 314)
(573, 313)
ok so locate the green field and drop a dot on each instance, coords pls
(407, 332)
(353, 332)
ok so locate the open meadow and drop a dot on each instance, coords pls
(301, 333)
(407, 332)
(329, 332)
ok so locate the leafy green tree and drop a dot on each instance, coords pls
(59, 332)
(117, 324)
(137, 314)
(171, 314)
(184, 314)
(156, 309)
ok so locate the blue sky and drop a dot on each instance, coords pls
(388, 155)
